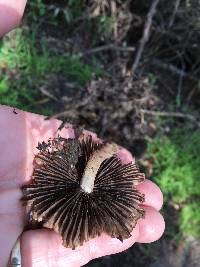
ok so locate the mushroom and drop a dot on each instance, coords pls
(81, 189)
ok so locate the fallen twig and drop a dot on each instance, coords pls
(171, 67)
(108, 47)
(66, 113)
(171, 114)
(176, 6)
(146, 32)
(45, 92)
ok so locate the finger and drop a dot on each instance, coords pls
(153, 194)
(44, 248)
(10, 228)
(11, 12)
(125, 156)
(152, 227)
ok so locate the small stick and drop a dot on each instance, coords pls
(146, 32)
(174, 69)
(170, 114)
(45, 92)
(62, 114)
(108, 47)
(176, 6)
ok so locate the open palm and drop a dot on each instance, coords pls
(19, 136)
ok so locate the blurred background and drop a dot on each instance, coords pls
(130, 71)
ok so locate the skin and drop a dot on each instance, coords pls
(11, 12)
(19, 136)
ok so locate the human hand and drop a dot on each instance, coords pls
(20, 134)
(11, 12)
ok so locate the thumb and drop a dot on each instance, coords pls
(11, 12)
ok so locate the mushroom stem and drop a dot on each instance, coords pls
(93, 164)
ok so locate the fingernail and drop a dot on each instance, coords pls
(15, 257)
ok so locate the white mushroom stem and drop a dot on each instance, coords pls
(93, 164)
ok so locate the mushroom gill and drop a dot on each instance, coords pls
(80, 188)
